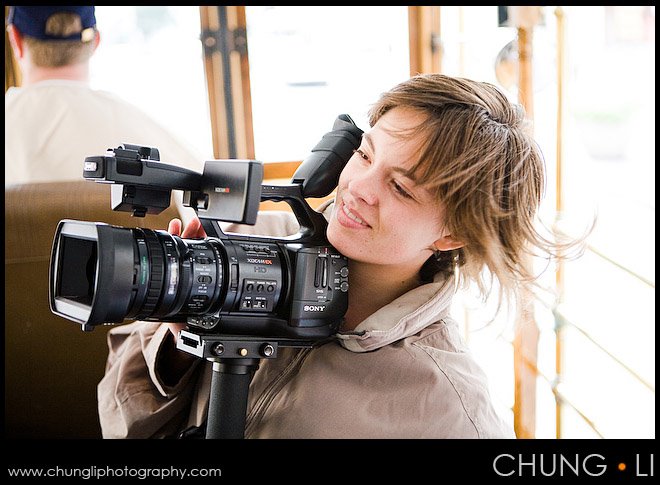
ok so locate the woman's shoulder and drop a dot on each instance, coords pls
(459, 385)
(442, 349)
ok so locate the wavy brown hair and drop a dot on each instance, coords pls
(487, 172)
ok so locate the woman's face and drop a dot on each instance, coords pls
(381, 216)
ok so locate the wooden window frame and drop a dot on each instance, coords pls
(226, 63)
(424, 39)
(224, 39)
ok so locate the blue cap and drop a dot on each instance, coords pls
(31, 21)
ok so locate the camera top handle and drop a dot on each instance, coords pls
(317, 176)
(227, 190)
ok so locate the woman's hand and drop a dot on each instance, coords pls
(193, 230)
(173, 363)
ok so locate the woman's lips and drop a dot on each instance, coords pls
(349, 218)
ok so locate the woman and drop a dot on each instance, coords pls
(447, 177)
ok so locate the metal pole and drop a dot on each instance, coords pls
(559, 207)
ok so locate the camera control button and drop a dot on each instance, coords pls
(233, 276)
(317, 272)
(344, 286)
(204, 279)
(343, 272)
(324, 273)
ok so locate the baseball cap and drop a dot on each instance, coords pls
(31, 21)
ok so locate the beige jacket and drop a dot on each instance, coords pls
(403, 373)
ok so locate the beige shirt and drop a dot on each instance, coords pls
(52, 126)
(404, 372)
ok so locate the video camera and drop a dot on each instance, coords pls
(291, 289)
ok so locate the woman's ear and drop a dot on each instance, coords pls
(447, 243)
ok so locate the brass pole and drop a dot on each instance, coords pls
(525, 80)
(559, 207)
(526, 330)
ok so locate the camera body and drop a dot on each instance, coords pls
(287, 289)
(233, 284)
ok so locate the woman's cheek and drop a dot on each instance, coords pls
(331, 232)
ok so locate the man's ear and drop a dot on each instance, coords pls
(16, 41)
(97, 39)
(447, 243)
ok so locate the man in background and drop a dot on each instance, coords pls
(55, 119)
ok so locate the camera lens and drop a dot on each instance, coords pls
(172, 276)
(78, 284)
(107, 274)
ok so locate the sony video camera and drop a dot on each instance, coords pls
(292, 288)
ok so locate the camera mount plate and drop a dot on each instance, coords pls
(235, 360)
(214, 347)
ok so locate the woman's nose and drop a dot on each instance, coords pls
(364, 187)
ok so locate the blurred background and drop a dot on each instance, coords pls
(266, 82)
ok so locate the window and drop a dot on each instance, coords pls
(152, 57)
(310, 64)
(606, 378)
(609, 295)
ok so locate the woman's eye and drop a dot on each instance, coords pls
(362, 154)
(403, 192)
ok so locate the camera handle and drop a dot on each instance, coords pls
(235, 360)
(230, 383)
(312, 223)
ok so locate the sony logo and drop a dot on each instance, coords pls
(314, 308)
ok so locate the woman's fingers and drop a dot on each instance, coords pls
(174, 227)
(194, 230)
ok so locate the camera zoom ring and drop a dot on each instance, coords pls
(156, 260)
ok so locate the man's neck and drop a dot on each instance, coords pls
(74, 72)
(371, 287)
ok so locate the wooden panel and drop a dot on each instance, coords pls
(230, 65)
(280, 170)
(213, 69)
(424, 36)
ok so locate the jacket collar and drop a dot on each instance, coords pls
(405, 316)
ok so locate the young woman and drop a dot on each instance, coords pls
(446, 178)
